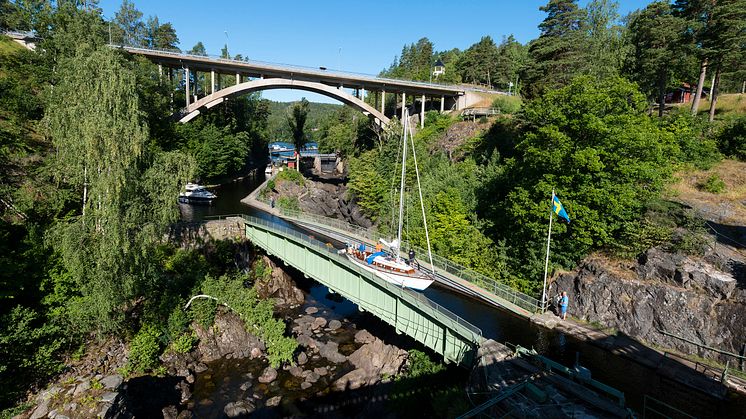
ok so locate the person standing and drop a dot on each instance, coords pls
(563, 305)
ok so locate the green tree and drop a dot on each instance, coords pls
(160, 36)
(558, 54)
(129, 29)
(479, 63)
(512, 58)
(592, 142)
(296, 120)
(126, 192)
(655, 37)
(607, 44)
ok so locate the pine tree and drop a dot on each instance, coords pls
(558, 53)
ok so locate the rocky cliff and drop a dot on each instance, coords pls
(327, 198)
(700, 299)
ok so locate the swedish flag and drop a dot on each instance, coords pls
(559, 209)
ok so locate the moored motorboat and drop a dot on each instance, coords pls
(196, 194)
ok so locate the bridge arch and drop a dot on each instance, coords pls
(218, 97)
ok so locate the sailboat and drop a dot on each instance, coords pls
(390, 265)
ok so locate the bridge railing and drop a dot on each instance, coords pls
(315, 70)
(505, 292)
(333, 253)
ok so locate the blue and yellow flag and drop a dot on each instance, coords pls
(559, 209)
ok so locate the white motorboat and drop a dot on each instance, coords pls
(196, 194)
(268, 170)
(389, 265)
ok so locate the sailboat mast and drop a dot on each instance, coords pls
(401, 191)
(422, 202)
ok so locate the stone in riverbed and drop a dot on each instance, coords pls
(82, 388)
(305, 385)
(295, 371)
(312, 310)
(238, 409)
(335, 324)
(302, 358)
(318, 323)
(364, 336)
(170, 412)
(321, 371)
(245, 386)
(268, 375)
(274, 401)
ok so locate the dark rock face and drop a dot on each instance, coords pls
(663, 292)
(325, 198)
(279, 286)
(231, 338)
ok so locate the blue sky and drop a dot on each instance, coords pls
(358, 36)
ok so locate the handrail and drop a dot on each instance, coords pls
(322, 247)
(709, 348)
(499, 289)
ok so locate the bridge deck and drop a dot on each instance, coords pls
(335, 78)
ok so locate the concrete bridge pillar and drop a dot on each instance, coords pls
(403, 104)
(187, 90)
(422, 112)
(442, 104)
(238, 79)
(383, 101)
(212, 81)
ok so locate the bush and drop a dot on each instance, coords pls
(184, 343)
(695, 146)
(507, 104)
(292, 176)
(203, 311)
(419, 364)
(713, 184)
(144, 349)
(288, 203)
(731, 139)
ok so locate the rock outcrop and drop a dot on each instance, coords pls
(279, 286)
(673, 293)
(227, 338)
(324, 198)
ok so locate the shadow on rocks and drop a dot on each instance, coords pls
(146, 397)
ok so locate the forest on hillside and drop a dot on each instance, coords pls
(90, 163)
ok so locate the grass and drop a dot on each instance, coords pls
(726, 206)
(8, 46)
(730, 103)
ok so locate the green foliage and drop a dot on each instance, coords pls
(419, 364)
(144, 349)
(731, 138)
(184, 343)
(289, 203)
(261, 270)
(296, 120)
(594, 144)
(507, 104)
(202, 311)
(713, 184)
(695, 147)
(256, 314)
(291, 176)
(29, 351)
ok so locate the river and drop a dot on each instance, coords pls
(635, 380)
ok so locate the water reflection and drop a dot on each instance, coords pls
(228, 200)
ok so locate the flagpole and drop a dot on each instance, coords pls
(546, 262)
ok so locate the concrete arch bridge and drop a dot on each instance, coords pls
(250, 76)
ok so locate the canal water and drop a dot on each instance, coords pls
(635, 380)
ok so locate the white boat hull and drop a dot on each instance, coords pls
(419, 283)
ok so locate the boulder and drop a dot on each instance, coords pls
(302, 358)
(112, 382)
(377, 359)
(268, 375)
(330, 351)
(312, 310)
(170, 412)
(318, 323)
(274, 401)
(364, 336)
(238, 409)
(335, 324)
